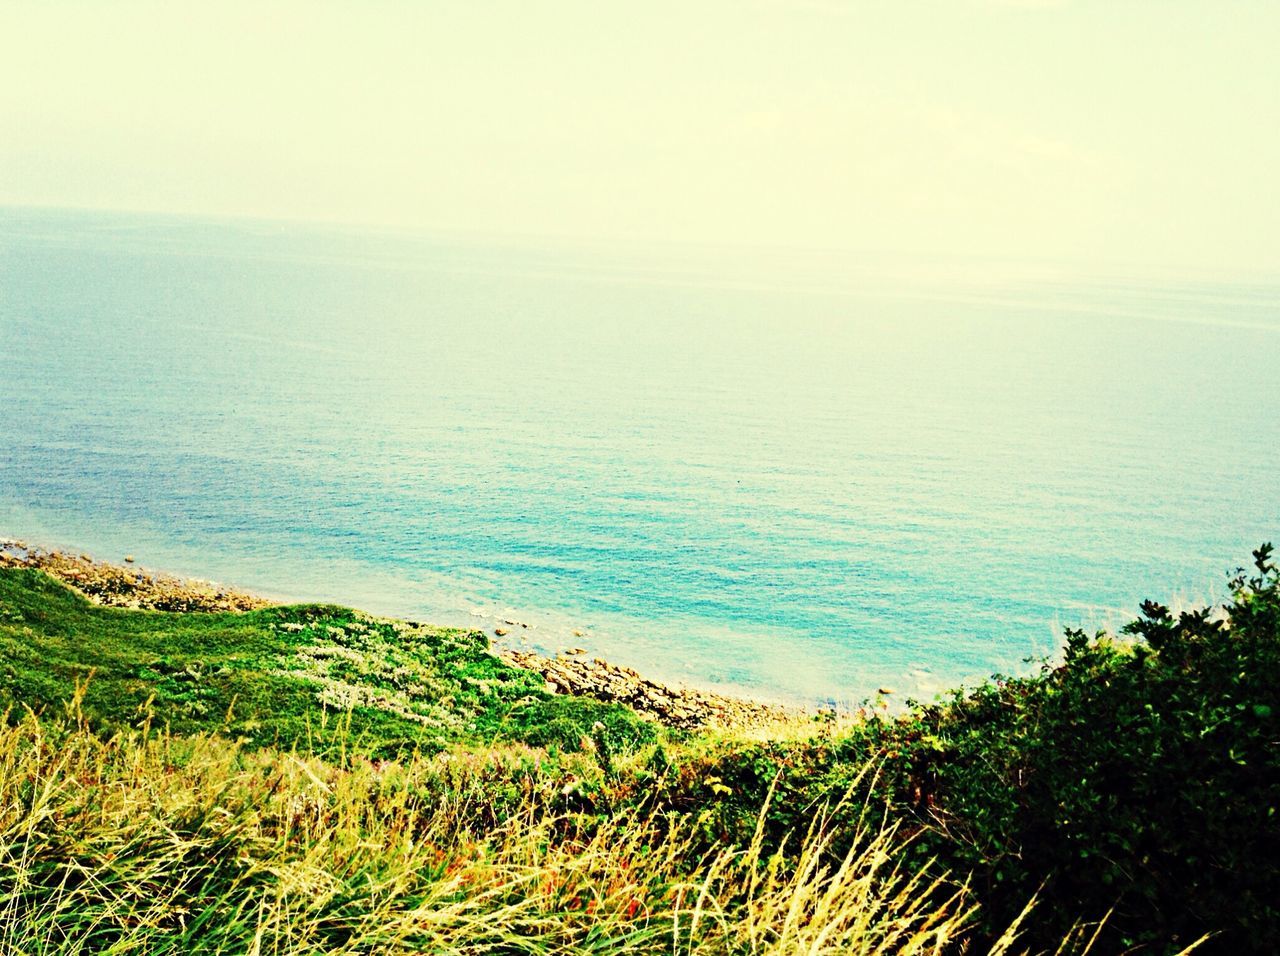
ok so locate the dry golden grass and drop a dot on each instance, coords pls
(152, 843)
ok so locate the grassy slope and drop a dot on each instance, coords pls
(306, 676)
(510, 820)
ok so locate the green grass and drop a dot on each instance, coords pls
(310, 676)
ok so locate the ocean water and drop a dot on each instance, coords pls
(799, 476)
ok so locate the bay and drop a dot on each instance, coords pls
(797, 475)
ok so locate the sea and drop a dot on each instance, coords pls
(799, 475)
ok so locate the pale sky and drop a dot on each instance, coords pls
(1110, 131)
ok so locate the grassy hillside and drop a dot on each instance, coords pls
(311, 779)
(314, 780)
(315, 677)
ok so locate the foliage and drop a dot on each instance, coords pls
(1139, 778)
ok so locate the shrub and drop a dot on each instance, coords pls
(1140, 777)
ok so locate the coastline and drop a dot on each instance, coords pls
(571, 672)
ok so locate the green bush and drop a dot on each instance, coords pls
(1140, 777)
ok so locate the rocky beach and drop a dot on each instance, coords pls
(681, 707)
(116, 585)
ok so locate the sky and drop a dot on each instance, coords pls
(1109, 131)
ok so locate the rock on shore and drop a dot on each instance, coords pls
(673, 706)
(117, 586)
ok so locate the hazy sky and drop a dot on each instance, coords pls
(1109, 130)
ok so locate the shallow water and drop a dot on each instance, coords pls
(801, 476)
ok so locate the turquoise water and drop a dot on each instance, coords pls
(798, 475)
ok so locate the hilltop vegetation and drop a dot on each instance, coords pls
(312, 779)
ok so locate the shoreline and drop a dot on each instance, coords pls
(572, 672)
(673, 650)
(128, 585)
